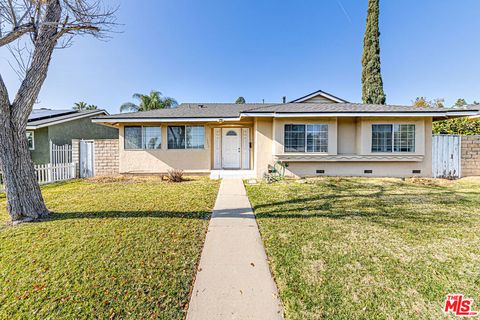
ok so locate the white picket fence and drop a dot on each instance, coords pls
(49, 173)
(60, 154)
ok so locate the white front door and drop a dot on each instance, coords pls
(231, 148)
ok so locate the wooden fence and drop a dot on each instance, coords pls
(446, 156)
(60, 154)
(49, 173)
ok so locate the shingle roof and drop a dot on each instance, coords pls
(231, 110)
(194, 110)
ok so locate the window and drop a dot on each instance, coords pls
(404, 138)
(317, 138)
(382, 138)
(148, 138)
(306, 138)
(31, 140)
(393, 138)
(294, 138)
(186, 137)
(152, 137)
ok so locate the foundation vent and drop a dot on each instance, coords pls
(367, 171)
(417, 171)
(320, 171)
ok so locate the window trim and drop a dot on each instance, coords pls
(186, 145)
(306, 138)
(33, 139)
(142, 148)
(393, 138)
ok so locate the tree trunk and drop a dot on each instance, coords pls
(24, 199)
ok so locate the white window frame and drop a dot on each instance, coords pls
(33, 139)
(306, 137)
(186, 146)
(143, 138)
(393, 137)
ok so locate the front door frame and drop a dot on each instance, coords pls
(233, 145)
(244, 144)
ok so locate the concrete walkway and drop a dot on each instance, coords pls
(233, 280)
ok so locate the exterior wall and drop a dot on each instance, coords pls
(263, 145)
(347, 134)
(63, 133)
(106, 157)
(318, 99)
(76, 156)
(470, 156)
(349, 152)
(41, 154)
(162, 160)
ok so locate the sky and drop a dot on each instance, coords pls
(217, 50)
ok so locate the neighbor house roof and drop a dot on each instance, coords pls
(40, 118)
(230, 111)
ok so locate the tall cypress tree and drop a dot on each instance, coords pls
(372, 83)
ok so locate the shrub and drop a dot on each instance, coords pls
(175, 175)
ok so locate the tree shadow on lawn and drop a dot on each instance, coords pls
(57, 216)
(378, 207)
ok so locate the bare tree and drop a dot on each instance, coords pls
(41, 26)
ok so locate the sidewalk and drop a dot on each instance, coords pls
(233, 280)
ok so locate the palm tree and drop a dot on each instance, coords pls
(79, 106)
(82, 106)
(152, 101)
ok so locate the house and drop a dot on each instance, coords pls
(60, 127)
(318, 134)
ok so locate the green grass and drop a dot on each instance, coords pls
(123, 249)
(370, 248)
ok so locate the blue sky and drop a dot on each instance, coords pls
(217, 50)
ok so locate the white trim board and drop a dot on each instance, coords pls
(290, 115)
(319, 93)
(133, 120)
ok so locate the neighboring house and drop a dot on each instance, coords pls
(60, 127)
(318, 134)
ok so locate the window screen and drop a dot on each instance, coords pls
(294, 138)
(382, 138)
(133, 137)
(317, 138)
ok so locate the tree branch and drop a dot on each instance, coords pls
(12, 12)
(16, 33)
(37, 72)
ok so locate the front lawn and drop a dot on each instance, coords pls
(123, 249)
(371, 248)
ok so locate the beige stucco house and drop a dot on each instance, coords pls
(315, 135)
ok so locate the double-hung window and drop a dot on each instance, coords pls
(393, 138)
(186, 137)
(148, 138)
(306, 138)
